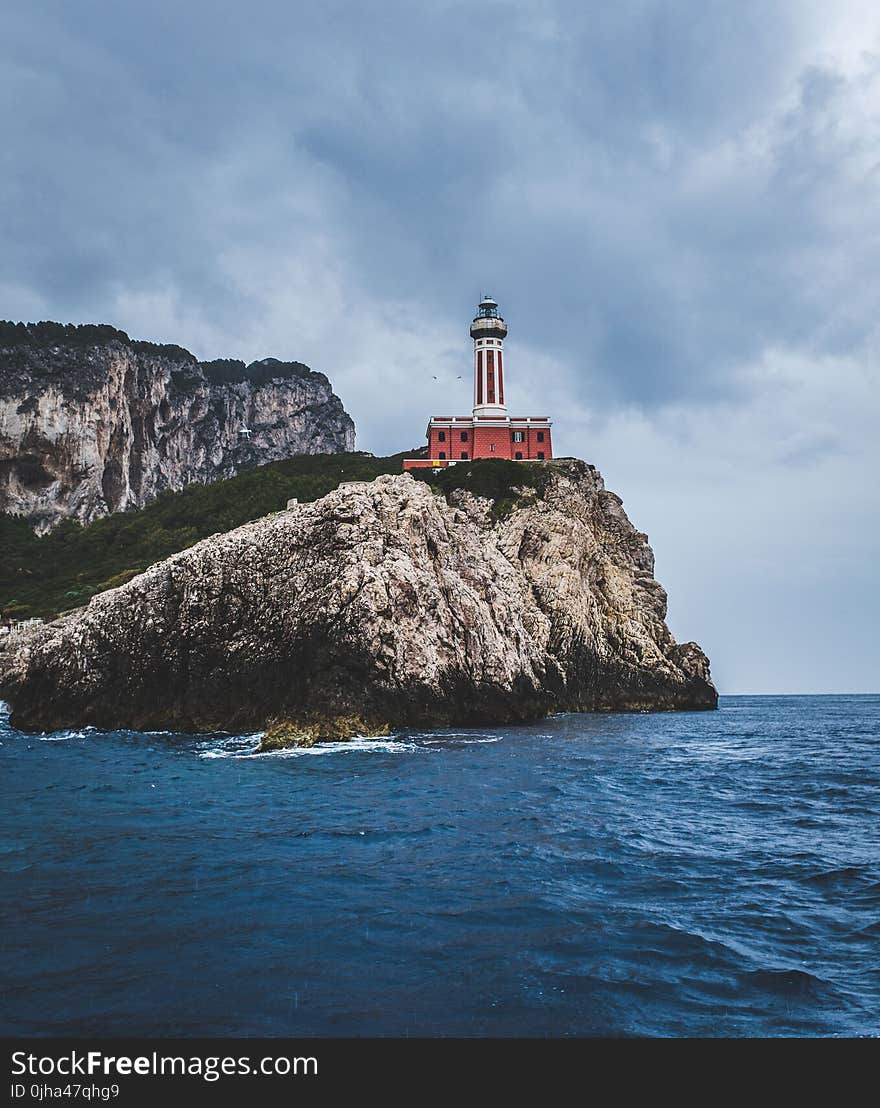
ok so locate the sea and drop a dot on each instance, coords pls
(689, 874)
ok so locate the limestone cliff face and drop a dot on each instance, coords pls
(91, 427)
(381, 603)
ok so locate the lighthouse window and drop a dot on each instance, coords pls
(441, 436)
(518, 436)
(540, 436)
(540, 455)
(442, 454)
(464, 436)
(518, 455)
(464, 455)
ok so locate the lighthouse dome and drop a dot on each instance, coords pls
(487, 322)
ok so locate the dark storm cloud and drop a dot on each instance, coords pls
(542, 146)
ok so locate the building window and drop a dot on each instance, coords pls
(518, 455)
(464, 436)
(540, 455)
(540, 436)
(441, 436)
(492, 447)
(518, 436)
(442, 454)
(464, 455)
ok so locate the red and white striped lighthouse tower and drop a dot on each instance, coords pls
(488, 432)
(488, 331)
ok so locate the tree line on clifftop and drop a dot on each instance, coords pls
(48, 574)
(47, 334)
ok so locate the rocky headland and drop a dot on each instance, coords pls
(92, 422)
(382, 605)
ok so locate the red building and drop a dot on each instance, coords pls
(488, 432)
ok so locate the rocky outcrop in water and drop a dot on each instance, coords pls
(92, 422)
(379, 605)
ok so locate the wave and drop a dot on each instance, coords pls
(410, 743)
(637, 895)
(788, 982)
(843, 874)
(356, 745)
(245, 746)
(64, 736)
(869, 931)
(458, 740)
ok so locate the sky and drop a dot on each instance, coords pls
(675, 204)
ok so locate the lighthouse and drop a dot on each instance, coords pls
(488, 331)
(489, 431)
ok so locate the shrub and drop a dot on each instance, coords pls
(494, 478)
(46, 575)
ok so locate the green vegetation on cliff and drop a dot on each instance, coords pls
(42, 576)
(495, 478)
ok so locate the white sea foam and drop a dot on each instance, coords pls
(229, 746)
(63, 736)
(462, 740)
(350, 746)
(245, 746)
(412, 744)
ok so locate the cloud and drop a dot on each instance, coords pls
(763, 516)
(675, 205)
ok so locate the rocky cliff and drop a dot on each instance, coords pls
(382, 604)
(92, 422)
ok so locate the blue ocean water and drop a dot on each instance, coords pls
(688, 874)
